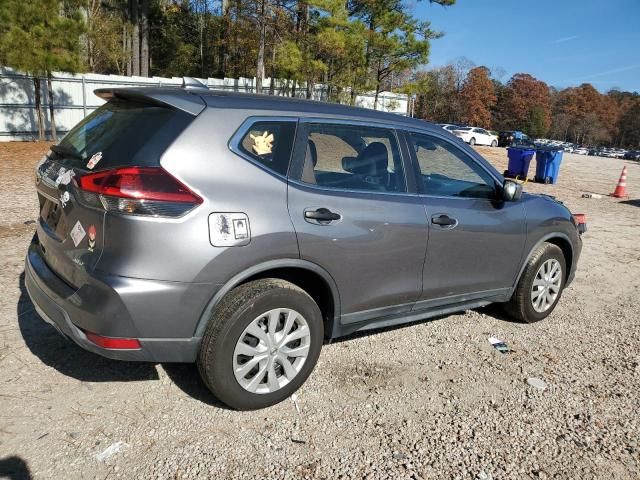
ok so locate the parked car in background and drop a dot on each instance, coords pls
(476, 136)
(581, 151)
(505, 138)
(293, 223)
(632, 155)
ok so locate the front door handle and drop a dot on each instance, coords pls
(321, 215)
(444, 221)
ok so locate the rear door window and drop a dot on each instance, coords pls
(269, 143)
(125, 133)
(353, 157)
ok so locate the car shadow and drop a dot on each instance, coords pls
(66, 357)
(60, 353)
(187, 378)
(14, 468)
(633, 203)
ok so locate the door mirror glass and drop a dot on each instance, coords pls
(511, 191)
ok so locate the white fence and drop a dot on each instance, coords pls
(74, 98)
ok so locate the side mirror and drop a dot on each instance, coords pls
(511, 190)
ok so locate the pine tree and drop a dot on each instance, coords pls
(39, 37)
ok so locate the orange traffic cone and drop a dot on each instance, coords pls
(621, 188)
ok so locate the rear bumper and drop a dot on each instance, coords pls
(119, 307)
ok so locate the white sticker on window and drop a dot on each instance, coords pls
(77, 233)
(229, 229)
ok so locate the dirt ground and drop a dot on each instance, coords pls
(430, 400)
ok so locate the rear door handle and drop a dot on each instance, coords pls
(321, 215)
(444, 221)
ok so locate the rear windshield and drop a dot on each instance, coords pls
(124, 132)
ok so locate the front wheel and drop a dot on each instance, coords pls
(494, 144)
(540, 285)
(261, 344)
(472, 141)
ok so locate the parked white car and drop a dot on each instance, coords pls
(476, 136)
(581, 151)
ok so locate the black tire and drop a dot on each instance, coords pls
(472, 141)
(239, 308)
(494, 144)
(520, 307)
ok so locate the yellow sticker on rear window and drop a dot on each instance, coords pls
(262, 144)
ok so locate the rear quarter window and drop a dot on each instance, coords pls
(269, 143)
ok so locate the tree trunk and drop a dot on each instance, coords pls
(52, 115)
(223, 40)
(126, 49)
(144, 38)
(263, 34)
(38, 100)
(273, 71)
(135, 37)
(375, 100)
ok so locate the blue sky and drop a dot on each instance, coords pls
(563, 42)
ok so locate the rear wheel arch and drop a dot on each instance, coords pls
(310, 277)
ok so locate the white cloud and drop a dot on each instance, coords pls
(565, 39)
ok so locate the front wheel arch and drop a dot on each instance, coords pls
(557, 238)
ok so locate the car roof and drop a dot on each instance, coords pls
(194, 100)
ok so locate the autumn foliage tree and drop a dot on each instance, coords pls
(526, 105)
(477, 97)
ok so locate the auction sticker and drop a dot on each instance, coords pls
(77, 233)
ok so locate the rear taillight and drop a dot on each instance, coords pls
(138, 191)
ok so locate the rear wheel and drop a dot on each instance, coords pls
(472, 141)
(494, 143)
(261, 344)
(540, 285)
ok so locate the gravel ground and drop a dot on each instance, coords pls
(430, 400)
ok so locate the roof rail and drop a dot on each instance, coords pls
(190, 82)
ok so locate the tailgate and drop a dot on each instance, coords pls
(69, 233)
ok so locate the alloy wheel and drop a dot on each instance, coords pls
(271, 351)
(546, 285)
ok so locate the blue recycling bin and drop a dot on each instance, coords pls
(548, 162)
(519, 159)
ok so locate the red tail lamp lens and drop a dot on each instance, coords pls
(140, 183)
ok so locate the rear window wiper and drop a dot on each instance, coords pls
(67, 152)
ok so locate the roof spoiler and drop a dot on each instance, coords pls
(176, 98)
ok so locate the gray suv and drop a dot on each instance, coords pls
(242, 231)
